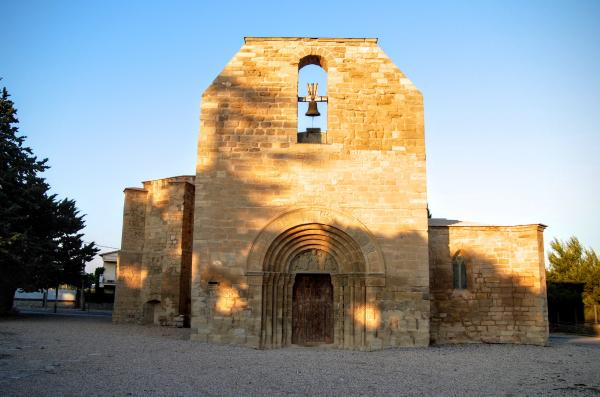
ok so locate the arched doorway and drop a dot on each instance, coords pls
(324, 269)
(315, 241)
(151, 309)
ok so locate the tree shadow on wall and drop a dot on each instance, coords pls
(251, 171)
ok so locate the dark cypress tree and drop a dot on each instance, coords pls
(40, 243)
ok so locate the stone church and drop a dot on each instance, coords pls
(320, 236)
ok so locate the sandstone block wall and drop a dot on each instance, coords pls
(127, 306)
(505, 300)
(225, 246)
(369, 179)
(154, 266)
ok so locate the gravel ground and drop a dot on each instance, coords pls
(65, 356)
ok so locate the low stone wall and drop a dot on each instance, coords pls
(37, 304)
(505, 298)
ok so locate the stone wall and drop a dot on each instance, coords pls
(505, 300)
(154, 266)
(368, 179)
(264, 208)
(127, 307)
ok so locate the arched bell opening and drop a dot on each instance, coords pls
(309, 271)
(312, 100)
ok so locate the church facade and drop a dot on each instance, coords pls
(320, 237)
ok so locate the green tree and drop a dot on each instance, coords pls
(570, 261)
(40, 239)
(97, 273)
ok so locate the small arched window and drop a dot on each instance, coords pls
(312, 100)
(459, 271)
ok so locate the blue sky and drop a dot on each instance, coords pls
(110, 93)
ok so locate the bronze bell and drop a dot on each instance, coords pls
(312, 111)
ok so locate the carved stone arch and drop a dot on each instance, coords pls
(314, 56)
(334, 221)
(304, 243)
(308, 236)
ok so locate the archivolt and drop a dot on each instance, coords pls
(301, 238)
(313, 56)
(340, 235)
(357, 258)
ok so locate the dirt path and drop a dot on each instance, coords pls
(60, 355)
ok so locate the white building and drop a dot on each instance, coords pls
(108, 279)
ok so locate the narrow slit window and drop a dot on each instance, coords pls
(459, 270)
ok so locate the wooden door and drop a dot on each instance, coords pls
(150, 309)
(312, 311)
